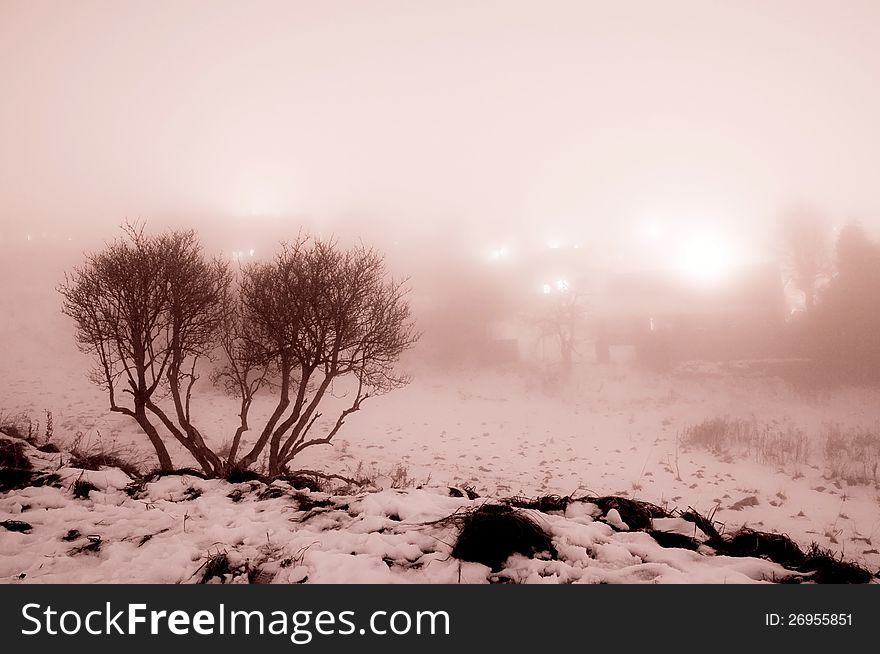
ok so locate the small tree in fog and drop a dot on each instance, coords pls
(806, 243)
(563, 321)
(847, 319)
(315, 316)
(149, 309)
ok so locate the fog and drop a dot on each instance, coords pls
(618, 221)
(514, 118)
(440, 131)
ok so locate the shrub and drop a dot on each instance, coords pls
(96, 455)
(718, 434)
(771, 444)
(852, 455)
(16, 425)
(82, 488)
(492, 533)
(12, 455)
(151, 309)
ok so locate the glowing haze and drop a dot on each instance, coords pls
(571, 120)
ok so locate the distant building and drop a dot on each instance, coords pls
(667, 319)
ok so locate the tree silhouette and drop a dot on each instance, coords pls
(806, 244)
(314, 316)
(151, 309)
(148, 309)
(848, 315)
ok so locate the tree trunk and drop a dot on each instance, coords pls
(140, 416)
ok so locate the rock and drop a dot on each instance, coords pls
(751, 500)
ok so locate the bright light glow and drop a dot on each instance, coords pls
(562, 285)
(499, 253)
(547, 289)
(705, 259)
(554, 245)
(238, 255)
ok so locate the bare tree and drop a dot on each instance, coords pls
(807, 250)
(847, 317)
(315, 315)
(247, 369)
(148, 308)
(563, 321)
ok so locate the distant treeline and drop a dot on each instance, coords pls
(842, 329)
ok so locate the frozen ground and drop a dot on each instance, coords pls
(613, 431)
(182, 529)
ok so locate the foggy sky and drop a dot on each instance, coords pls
(513, 117)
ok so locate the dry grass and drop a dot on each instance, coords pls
(96, 453)
(15, 467)
(492, 533)
(852, 455)
(771, 444)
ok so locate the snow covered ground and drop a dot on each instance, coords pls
(182, 529)
(614, 429)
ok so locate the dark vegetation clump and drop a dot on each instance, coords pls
(217, 565)
(45, 479)
(491, 533)
(155, 475)
(98, 459)
(706, 523)
(49, 448)
(238, 475)
(637, 515)
(305, 502)
(12, 455)
(257, 575)
(673, 539)
(778, 548)
(15, 467)
(825, 568)
(15, 525)
(192, 493)
(92, 547)
(136, 488)
(305, 481)
(13, 478)
(82, 488)
(71, 535)
(21, 426)
(817, 565)
(545, 504)
(271, 493)
(465, 491)
(10, 428)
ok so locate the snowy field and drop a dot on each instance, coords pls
(614, 430)
(611, 430)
